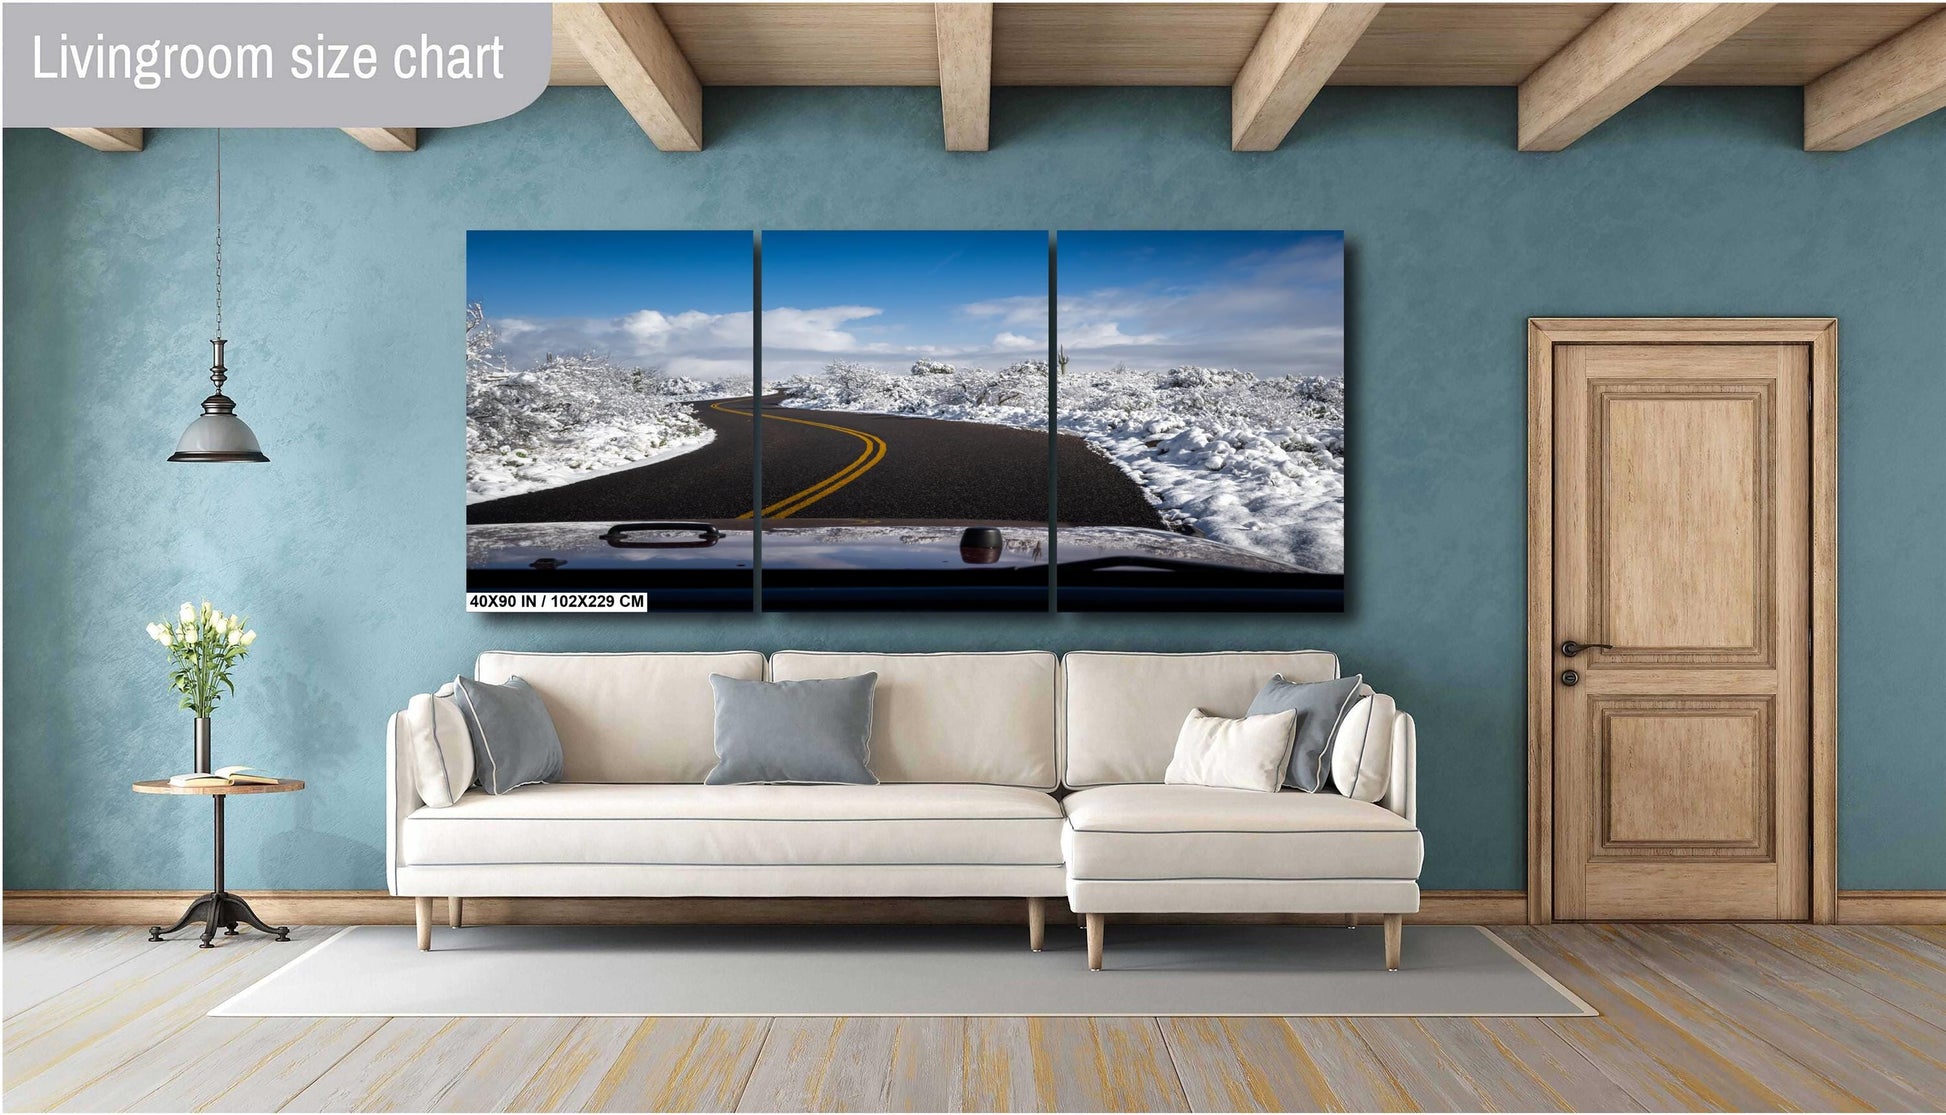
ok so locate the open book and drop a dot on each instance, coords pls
(227, 776)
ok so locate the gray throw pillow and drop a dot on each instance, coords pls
(793, 731)
(1319, 705)
(514, 743)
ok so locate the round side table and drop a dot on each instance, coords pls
(219, 906)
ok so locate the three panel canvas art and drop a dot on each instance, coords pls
(860, 421)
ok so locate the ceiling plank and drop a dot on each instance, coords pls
(641, 64)
(385, 139)
(1298, 51)
(1890, 85)
(965, 34)
(106, 139)
(1630, 50)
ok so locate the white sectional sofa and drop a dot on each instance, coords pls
(1010, 774)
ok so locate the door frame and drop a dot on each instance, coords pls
(1821, 334)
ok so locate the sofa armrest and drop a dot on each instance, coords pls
(1402, 794)
(401, 798)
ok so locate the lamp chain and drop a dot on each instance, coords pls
(219, 232)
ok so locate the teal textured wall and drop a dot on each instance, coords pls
(345, 280)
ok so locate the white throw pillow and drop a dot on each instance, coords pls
(1244, 753)
(1361, 752)
(438, 746)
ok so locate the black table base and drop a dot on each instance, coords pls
(219, 906)
(224, 909)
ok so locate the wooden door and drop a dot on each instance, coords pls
(1682, 537)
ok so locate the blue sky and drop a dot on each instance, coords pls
(676, 300)
(890, 298)
(1271, 303)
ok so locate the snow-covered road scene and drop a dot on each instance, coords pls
(588, 353)
(1210, 366)
(1210, 372)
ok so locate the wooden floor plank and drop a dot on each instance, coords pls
(674, 1064)
(1673, 1051)
(228, 1064)
(1102, 1064)
(996, 1066)
(504, 1066)
(1877, 1065)
(855, 1064)
(1895, 971)
(1418, 1064)
(405, 1066)
(1521, 1064)
(1936, 934)
(66, 1044)
(41, 965)
(1249, 1064)
(567, 1080)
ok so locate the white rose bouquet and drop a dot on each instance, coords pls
(204, 646)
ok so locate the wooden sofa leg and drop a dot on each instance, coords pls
(1394, 931)
(1351, 921)
(422, 907)
(1095, 924)
(455, 910)
(1036, 923)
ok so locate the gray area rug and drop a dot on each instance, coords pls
(904, 970)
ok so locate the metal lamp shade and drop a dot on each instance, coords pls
(218, 437)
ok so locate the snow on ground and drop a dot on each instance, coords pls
(570, 418)
(1253, 463)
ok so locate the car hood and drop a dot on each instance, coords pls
(836, 544)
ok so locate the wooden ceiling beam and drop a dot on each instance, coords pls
(1297, 53)
(1884, 88)
(1630, 50)
(106, 139)
(385, 139)
(965, 36)
(641, 63)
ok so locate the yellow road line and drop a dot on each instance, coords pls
(875, 450)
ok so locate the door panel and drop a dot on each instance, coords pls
(1681, 537)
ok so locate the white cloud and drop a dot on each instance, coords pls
(1014, 342)
(1023, 310)
(816, 330)
(1273, 313)
(690, 342)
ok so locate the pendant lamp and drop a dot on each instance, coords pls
(219, 435)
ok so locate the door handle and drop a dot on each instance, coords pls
(1571, 648)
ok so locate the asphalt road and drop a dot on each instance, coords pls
(839, 465)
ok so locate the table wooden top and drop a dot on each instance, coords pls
(161, 786)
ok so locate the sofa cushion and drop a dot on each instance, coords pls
(793, 732)
(434, 738)
(1196, 832)
(514, 742)
(1320, 706)
(1361, 755)
(1246, 753)
(953, 717)
(1122, 709)
(740, 826)
(627, 717)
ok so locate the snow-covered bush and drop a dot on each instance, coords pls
(568, 417)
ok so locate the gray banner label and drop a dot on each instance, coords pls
(272, 65)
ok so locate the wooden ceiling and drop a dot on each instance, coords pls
(1206, 44)
(1865, 68)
